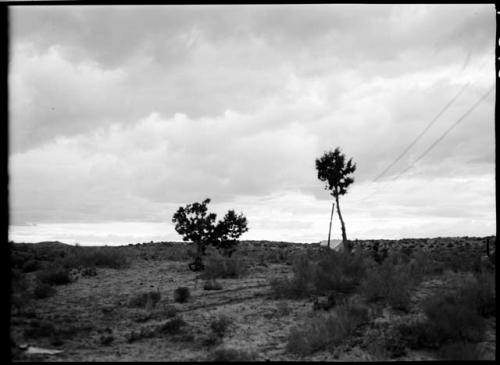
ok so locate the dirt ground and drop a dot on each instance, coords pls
(97, 323)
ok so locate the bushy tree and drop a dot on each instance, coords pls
(195, 224)
(227, 232)
(334, 171)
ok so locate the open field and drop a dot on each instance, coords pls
(272, 301)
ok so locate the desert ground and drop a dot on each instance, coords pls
(252, 309)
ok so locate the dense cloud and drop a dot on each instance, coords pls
(121, 114)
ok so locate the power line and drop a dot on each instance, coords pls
(470, 110)
(423, 132)
(439, 139)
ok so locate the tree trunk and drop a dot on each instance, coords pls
(344, 236)
(330, 230)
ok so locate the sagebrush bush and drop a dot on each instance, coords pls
(453, 320)
(331, 271)
(181, 294)
(447, 320)
(38, 329)
(142, 300)
(212, 285)
(390, 282)
(338, 271)
(56, 275)
(327, 329)
(289, 288)
(172, 326)
(224, 354)
(31, 265)
(282, 308)
(220, 325)
(218, 266)
(112, 257)
(422, 264)
(479, 292)
(43, 290)
(170, 311)
(459, 351)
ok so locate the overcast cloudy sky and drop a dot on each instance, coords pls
(121, 114)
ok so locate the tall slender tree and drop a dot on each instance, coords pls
(334, 170)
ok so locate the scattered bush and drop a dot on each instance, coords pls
(54, 276)
(459, 351)
(339, 272)
(38, 329)
(212, 285)
(172, 326)
(446, 321)
(112, 257)
(385, 344)
(389, 282)
(452, 320)
(218, 266)
(89, 271)
(228, 354)
(30, 265)
(142, 300)
(170, 311)
(282, 308)
(181, 294)
(479, 293)
(220, 325)
(106, 339)
(327, 329)
(43, 290)
(289, 288)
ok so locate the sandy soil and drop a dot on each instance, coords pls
(93, 308)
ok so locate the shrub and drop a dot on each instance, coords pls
(289, 288)
(446, 321)
(228, 354)
(451, 320)
(282, 308)
(43, 290)
(54, 276)
(479, 293)
(218, 266)
(38, 329)
(181, 294)
(89, 271)
(142, 300)
(423, 264)
(172, 326)
(327, 329)
(385, 344)
(212, 285)
(388, 282)
(112, 257)
(30, 265)
(459, 351)
(220, 325)
(170, 311)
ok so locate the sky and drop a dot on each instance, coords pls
(119, 115)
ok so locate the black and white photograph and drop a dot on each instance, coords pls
(259, 182)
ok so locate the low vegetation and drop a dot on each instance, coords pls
(145, 300)
(223, 354)
(181, 294)
(384, 303)
(325, 330)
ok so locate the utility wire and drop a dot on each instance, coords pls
(423, 132)
(470, 110)
(439, 139)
